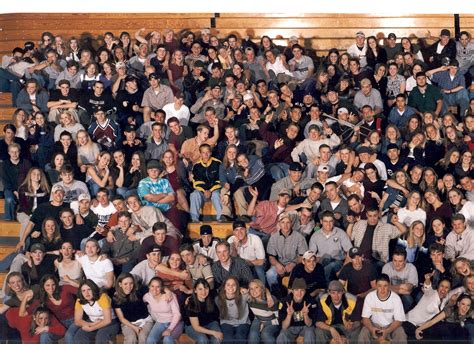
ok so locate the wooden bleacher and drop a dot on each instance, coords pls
(318, 31)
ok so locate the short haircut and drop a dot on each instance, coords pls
(159, 226)
(327, 213)
(66, 169)
(436, 247)
(317, 185)
(383, 277)
(105, 190)
(457, 217)
(172, 120)
(400, 251)
(186, 247)
(124, 213)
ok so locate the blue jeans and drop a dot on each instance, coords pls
(272, 277)
(10, 205)
(125, 192)
(100, 336)
(237, 334)
(155, 334)
(71, 332)
(197, 201)
(267, 335)
(259, 271)
(278, 170)
(7, 261)
(460, 98)
(262, 235)
(201, 338)
(331, 266)
(49, 338)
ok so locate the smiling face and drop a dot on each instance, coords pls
(230, 288)
(127, 285)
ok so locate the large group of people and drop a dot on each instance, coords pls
(347, 181)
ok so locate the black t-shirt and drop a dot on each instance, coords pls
(358, 281)
(132, 310)
(45, 210)
(297, 318)
(204, 316)
(75, 234)
(314, 280)
(366, 244)
(391, 167)
(56, 95)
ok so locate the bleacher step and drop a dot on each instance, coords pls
(9, 229)
(220, 230)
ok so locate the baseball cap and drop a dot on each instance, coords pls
(392, 35)
(153, 248)
(354, 251)
(299, 283)
(83, 197)
(342, 110)
(293, 39)
(56, 188)
(323, 168)
(445, 32)
(119, 65)
(308, 254)
(205, 230)
(248, 96)
(335, 286)
(130, 127)
(29, 45)
(360, 34)
(238, 224)
(154, 164)
(205, 32)
(153, 76)
(130, 78)
(37, 246)
(294, 166)
(285, 192)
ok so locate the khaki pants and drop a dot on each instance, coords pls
(397, 336)
(130, 337)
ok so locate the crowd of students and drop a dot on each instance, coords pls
(347, 181)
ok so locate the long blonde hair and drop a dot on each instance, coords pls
(411, 240)
(44, 185)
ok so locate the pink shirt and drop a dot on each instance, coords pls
(164, 311)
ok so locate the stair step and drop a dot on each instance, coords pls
(6, 113)
(2, 205)
(5, 251)
(220, 230)
(3, 275)
(208, 209)
(10, 229)
(5, 98)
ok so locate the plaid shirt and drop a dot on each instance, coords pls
(383, 233)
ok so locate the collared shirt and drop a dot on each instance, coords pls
(446, 82)
(465, 56)
(425, 102)
(332, 245)
(157, 100)
(428, 306)
(200, 271)
(460, 245)
(288, 248)
(374, 99)
(238, 269)
(148, 186)
(383, 233)
(155, 150)
(252, 249)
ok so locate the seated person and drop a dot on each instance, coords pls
(206, 184)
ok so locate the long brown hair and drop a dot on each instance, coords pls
(221, 299)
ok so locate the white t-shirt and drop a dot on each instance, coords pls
(383, 313)
(182, 113)
(407, 217)
(97, 270)
(468, 212)
(104, 214)
(253, 248)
